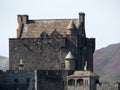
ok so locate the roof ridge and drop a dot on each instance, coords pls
(54, 19)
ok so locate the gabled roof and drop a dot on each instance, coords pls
(44, 34)
(34, 28)
(55, 33)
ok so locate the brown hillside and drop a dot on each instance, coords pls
(107, 63)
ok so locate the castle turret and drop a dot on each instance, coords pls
(72, 33)
(69, 62)
(70, 28)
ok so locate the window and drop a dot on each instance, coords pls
(16, 81)
(71, 82)
(80, 82)
(27, 80)
(86, 82)
(97, 81)
(63, 65)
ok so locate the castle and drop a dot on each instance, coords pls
(51, 54)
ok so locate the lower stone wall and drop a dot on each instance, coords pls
(43, 80)
(21, 80)
(51, 80)
(78, 88)
(33, 80)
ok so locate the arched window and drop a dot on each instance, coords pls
(80, 82)
(71, 82)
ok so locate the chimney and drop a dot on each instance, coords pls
(82, 23)
(81, 17)
(19, 19)
(24, 19)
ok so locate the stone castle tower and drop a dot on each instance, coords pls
(52, 54)
(51, 44)
(57, 49)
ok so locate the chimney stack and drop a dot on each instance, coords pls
(82, 23)
(19, 18)
(25, 19)
(22, 19)
(81, 17)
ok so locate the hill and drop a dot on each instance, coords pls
(107, 63)
(4, 63)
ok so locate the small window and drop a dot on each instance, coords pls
(16, 81)
(80, 82)
(71, 82)
(27, 80)
(97, 81)
(63, 65)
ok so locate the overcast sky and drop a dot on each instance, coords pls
(102, 17)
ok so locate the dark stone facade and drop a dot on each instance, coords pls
(52, 79)
(14, 80)
(42, 54)
(48, 51)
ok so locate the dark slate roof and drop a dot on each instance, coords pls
(36, 27)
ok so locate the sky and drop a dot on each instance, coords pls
(102, 19)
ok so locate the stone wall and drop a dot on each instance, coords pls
(49, 53)
(40, 54)
(3, 81)
(52, 79)
(20, 80)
